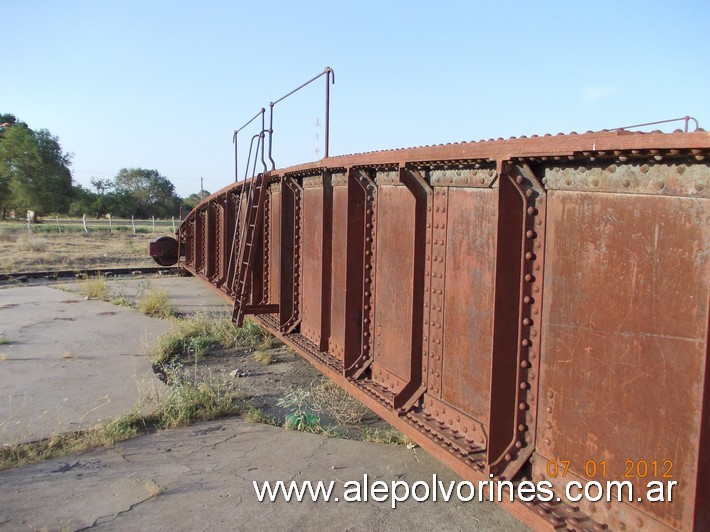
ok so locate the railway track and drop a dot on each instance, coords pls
(82, 273)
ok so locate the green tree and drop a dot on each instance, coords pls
(191, 201)
(34, 171)
(150, 193)
(82, 202)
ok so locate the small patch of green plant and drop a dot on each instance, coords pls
(194, 335)
(96, 288)
(5, 341)
(155, 303)
(249, 334)
(122, 301)
(256, 415)
(190, 400)
(117, 295)
(301, 416)
(142, 287)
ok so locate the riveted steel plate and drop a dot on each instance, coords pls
(470, 276)
(642, 177)
(625, 325)
(312, 261)
(393, 284)
(336, 342)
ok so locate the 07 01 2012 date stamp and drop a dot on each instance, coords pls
(598, 469)
(616, 485)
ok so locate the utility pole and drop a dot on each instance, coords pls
(202, 189)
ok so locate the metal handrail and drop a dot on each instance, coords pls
(261, 112)
(685, 119)
(329, 75)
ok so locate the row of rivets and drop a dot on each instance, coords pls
(435, 289)
(368, 273)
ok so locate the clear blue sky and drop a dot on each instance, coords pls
(162, 85)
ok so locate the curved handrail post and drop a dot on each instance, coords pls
(251, 146)
(329, 79)
(261, 112)
(271, 133)
(329, 74)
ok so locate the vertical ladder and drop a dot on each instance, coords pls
(246, 252)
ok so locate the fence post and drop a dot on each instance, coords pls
(153, 223)
(133, 224)
(29, 227)
(59, 229)
(83, 219)
(173, 223)
(110, 227)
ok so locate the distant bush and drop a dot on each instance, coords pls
(32, 244)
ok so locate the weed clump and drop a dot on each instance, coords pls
(389, 436)
(186, 401)
(330, 399)
(196, 334)
(263, 357)
(190, 400)
(301, 417)
(96, 288)
(32, 244)
(155, 303)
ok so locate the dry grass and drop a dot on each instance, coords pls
(96, 288)
(194, 335)
(68, 355)
(330, 399)
(33, 244)
(263, 357)
(389, 436)
(186, 401)
(21, 252)
(155, 303)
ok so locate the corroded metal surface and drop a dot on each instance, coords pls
(511, 305)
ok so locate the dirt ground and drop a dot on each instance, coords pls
(265, 373)
(266, 385)
(21, 251)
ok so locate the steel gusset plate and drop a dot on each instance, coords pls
(516, 348)
(359, 274)
(291, 235)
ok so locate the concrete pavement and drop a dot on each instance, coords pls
(72, 362)
(200, 478)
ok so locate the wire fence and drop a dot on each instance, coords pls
(106, 224)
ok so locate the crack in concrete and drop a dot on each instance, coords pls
(308, 460)
(113, 517)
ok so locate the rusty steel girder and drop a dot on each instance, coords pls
(520, 308)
